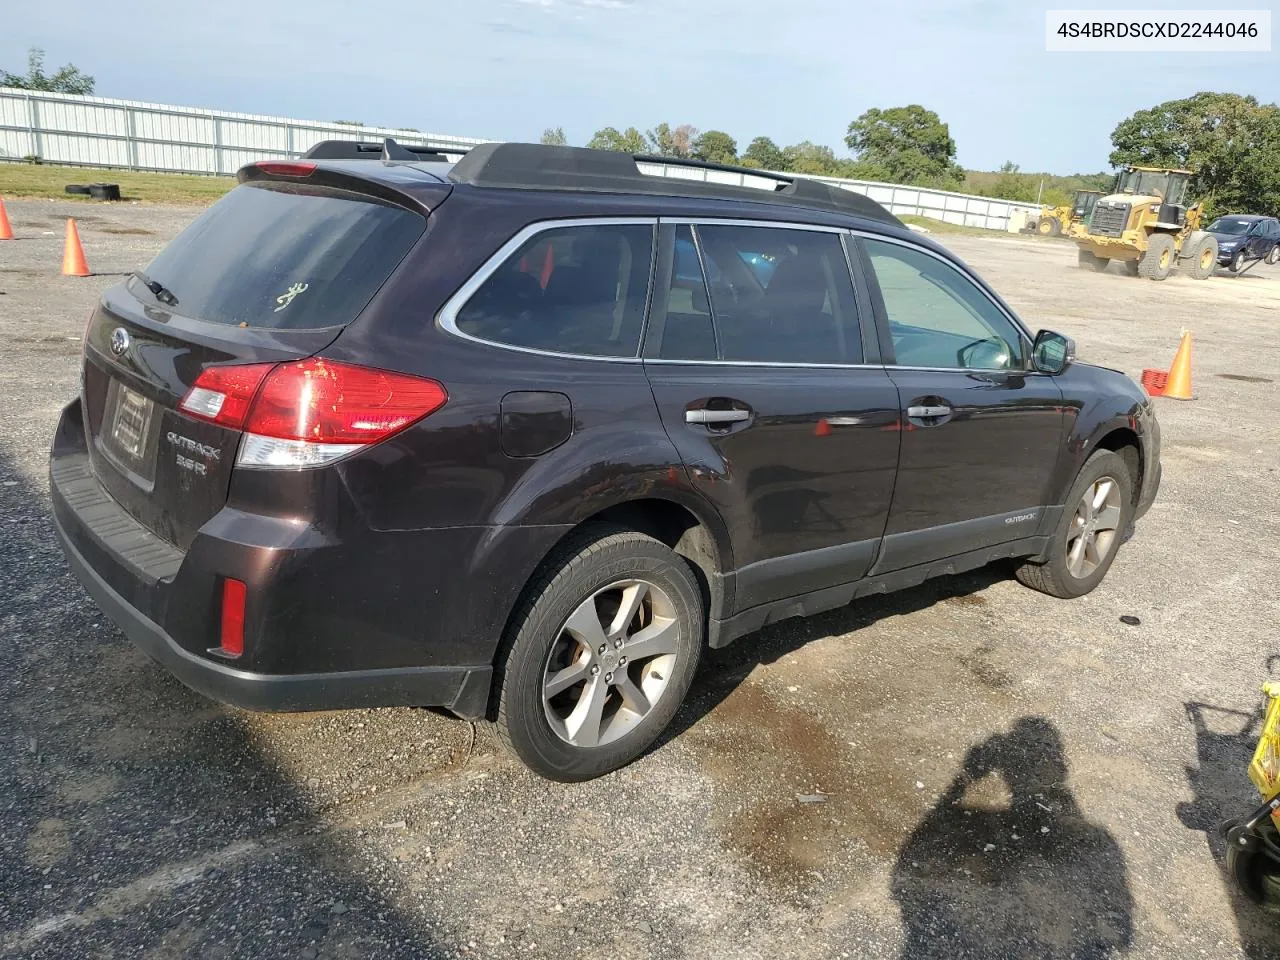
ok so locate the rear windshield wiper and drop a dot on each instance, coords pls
(158, 289)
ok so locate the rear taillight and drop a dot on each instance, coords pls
(286, 168)
(222, 395)
(312, 411)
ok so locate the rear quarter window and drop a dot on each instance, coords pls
(284, 256)
(579, 290)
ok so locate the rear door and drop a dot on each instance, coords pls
(764, 382)
(981, 431)
(271, 272)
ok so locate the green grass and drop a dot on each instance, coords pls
(45, 180)
(941, 226)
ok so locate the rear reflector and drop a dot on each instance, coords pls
(286, 168)
(309, 412)
(233, 597)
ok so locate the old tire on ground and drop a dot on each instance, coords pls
(1202, 260)
(1157, 262)
(1131, 267)
(1274, 256)
(77, 189)
(599, 655)
(1087, 261)
(1255, 873)
(1237, 262)
(104, 191)
(1098, 510)
(1049, 227)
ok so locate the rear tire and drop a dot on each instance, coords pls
(1074, 568)
(1157, 263)
(572, 704)
(1088, 261)
(1274, 256)
(1049, 227)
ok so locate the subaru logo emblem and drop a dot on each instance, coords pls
(119, 341)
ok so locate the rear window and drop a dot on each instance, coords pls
(577, 290)
(284, 257)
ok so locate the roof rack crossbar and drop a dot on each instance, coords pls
(388, 149)
(534, 166)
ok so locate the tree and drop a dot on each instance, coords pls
(1231, 142)
(666, 142)
(554, 136)
(911, 143)
(67, 79)
(350, 123)
(632, 141)
(765, 154)
(811, 158)
(716, 146)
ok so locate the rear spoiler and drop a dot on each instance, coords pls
(388, 149)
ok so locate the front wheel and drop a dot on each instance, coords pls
(1080, 553)
(1049, 227)
(600, 655)
(1157, 262)
(1237, 262)
(1202, 259)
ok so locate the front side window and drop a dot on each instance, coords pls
(937, 316)
(577, 289)
(780, 295)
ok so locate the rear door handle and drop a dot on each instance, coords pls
(923, 413)
(716, 416)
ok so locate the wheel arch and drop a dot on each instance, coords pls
(1122, 440)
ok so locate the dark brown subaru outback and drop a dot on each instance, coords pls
(522, 435)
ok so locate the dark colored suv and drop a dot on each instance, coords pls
(1244, 238)
(523, 435)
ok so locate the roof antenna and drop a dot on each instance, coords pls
(393, 151)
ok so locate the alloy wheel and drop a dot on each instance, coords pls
(611, 663)
(1094, 527)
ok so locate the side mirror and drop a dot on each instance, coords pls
(1052, 352)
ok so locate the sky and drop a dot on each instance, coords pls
(506, 69)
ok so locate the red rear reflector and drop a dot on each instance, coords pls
(222, 395)
(322, 401)
(233, 596)
(286, 168)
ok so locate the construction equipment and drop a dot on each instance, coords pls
(1147, 224)
(1055, 221)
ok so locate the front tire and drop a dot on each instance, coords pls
(1098, 509)
(1049, 227)
(600, 654)
(1087, 261)
(1157, 262)
(1237, 262)
(1202, 259)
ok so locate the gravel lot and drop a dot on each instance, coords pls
(142, 820)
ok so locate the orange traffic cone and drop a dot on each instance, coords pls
(6, 231)
(1178, 386)
(73, 264)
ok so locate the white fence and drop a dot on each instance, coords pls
(99, 132)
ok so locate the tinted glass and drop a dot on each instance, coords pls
(780, 295)
(284, 257)
(1230, 226)
(687, 333)
(568, 290)
(937, 316)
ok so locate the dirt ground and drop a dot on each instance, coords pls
(1001, 774)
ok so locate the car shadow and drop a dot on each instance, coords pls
(722, 671)
(1222, 790)
(1032, 877)
(140, 818)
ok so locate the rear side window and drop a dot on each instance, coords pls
(578, 289)
(780, 295)
(293, 257)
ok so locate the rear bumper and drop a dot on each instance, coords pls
(464, 690)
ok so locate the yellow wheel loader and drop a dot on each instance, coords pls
(1055, 221)
(1146, 224)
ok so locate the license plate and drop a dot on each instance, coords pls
(133, 417)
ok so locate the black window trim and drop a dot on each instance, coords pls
(882, 317)
(447, 318)
(653, 344)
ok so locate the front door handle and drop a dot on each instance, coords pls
(716, 416)
(924, 413)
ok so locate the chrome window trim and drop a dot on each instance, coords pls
(964, 272)
(739, 222)
(447, 318)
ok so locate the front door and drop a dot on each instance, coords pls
(981, 431)
(755, 356)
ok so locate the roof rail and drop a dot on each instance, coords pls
(388, 149)
(533, 166)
